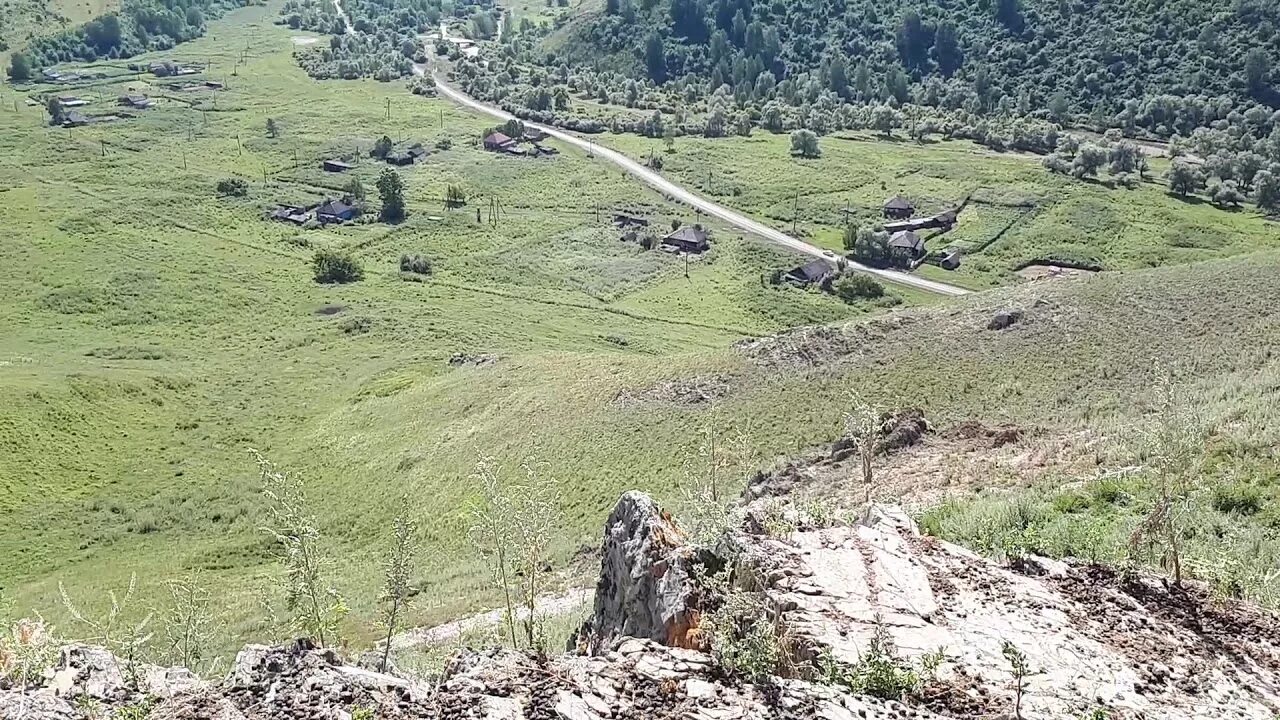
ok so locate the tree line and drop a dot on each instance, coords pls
(138, 26)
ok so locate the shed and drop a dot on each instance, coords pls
(136, 101)
(951, 258)
(946, 218)
(898, 207)
(74, 118)
(400, 157)
(417, 151)
(907, 244)
(623, 220)
(336, 166)
(498, 141)
(810, 273)
(687, 239)
(335, 211)
(533, 134)
(71, 101)
(291, 214)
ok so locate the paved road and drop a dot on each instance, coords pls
(676, 192)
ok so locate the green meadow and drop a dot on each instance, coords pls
(1018, 213)
(154, 332)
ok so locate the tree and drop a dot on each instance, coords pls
(872, 247)
(19, 68)
(396, 575)
(391, 194)
(885, 119)
(850, 239)
(1058, 107)
(1225, 193)
(1089, 159)
(55, 109)
(946, 48)
(355, 189)
(1184, 179)
(331, 266)
(655, 57)
(1124, 157)
(853, 287)
(1257, 66)
(805, 144)
(273, 130)
(1266, 188)
(382, 147)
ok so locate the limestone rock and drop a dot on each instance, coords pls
(644, 590)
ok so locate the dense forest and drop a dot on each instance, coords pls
(385, 38)
(139, 26)
(1167, 66)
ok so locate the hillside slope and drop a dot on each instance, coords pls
(1051, 56)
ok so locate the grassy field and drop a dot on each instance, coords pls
(156, 332)
(1041, 215)
(21, 20)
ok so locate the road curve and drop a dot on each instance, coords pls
(665, 186)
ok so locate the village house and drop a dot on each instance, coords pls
(811, 273)
(336, 212)
(336, 166)
(907, 246)
(898, 207)
(71, 101)
(498, 142)
(687, 239)
(135, 101)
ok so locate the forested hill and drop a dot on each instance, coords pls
(1177, 60)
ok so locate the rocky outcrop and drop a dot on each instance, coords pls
(645, 588)
(1132, 647)
(1092, 639)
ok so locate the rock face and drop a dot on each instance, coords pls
(1093, 640)
(645, 589)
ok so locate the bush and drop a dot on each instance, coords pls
(1239, 499)
(415, 264)
(336, 267)
(858, 286)
(233, 187)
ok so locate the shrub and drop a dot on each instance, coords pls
(879, 673)
(233, 187)
(336, 267)
(415, 264)
(1238, 498)
(858, 286)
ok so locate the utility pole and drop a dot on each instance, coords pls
(184, 159)
(104, 147)
(686, 266)
(441, 117)
(388, 108)
(239, 147)
(795, 213)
